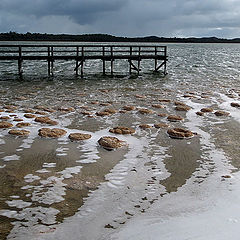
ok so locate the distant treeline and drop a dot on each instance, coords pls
(13, 36)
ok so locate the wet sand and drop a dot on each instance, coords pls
(55, 188)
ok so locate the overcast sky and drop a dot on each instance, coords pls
(168, 18)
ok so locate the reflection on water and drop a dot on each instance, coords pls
(44, 181)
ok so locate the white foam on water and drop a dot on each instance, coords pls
(15, 196)
(18, 203)
(13, 157)
(31, 178)
(42, 171)
(67, 172)
(49, 165)
(2, 166)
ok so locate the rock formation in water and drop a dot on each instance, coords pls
(19, 132)
(205, 110)
(179, 133)
(110, 143)
(122, 130)
(53, 133)
(79, 136)
(46, 120)
(5, 124)
(174, 118)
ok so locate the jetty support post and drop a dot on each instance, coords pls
(81, 62)
(103, 59)
(77, 54)
(50, 61)
(20, 71)
(130, 62)
(165, 61)
(155, 65)
(139, 60)
(111, 49)
(163, 64)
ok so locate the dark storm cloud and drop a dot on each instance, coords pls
(123, 17)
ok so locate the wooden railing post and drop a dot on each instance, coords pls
(77, 54)
(49, 65)
(139, 55)
(82, 61)
(155, 67)
(130, 62)
(103, 54)
(111, 49)
(20, 71)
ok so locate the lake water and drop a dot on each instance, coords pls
(44, 181)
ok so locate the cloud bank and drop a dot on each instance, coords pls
(168, 18)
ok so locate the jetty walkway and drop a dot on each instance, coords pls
(134, 54)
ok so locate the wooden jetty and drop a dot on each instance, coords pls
(134, 54)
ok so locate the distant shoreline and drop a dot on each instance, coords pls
(13, 36)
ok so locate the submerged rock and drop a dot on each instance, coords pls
(200, 113)
(23, 124)
(79, 136)
(66, 109)
(28, 115)
(46, 120)
(180, 133)
(122, 130)
(164, 100)
(102, 114)
(234, 104)
(174, 118)
(162, 114)
(161, 125)
(140, 96)
(177, 103)
(145, 126)
(4, 117)
(110, 110)
(145, 111)
(41, 113)
(54, 132)
(110, 143)
(182, 108)
(17, 119)
(128, 108)
(157, 106)
(29, 110)
(19, 132)
(206, 110)
(221, 113)
(5, 124)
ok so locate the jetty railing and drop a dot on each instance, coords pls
(134, 54)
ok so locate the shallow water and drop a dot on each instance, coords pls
(46, 181)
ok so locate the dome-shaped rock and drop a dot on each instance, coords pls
(180, 133)
(46, 120)
(234, 104)
(23, 124)
(19, 132)
(110, 143)
(174, 118)
(122, 130)
(5, 124)
(54, 132)
(221, 113)
(79, 136)
(206, 110)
